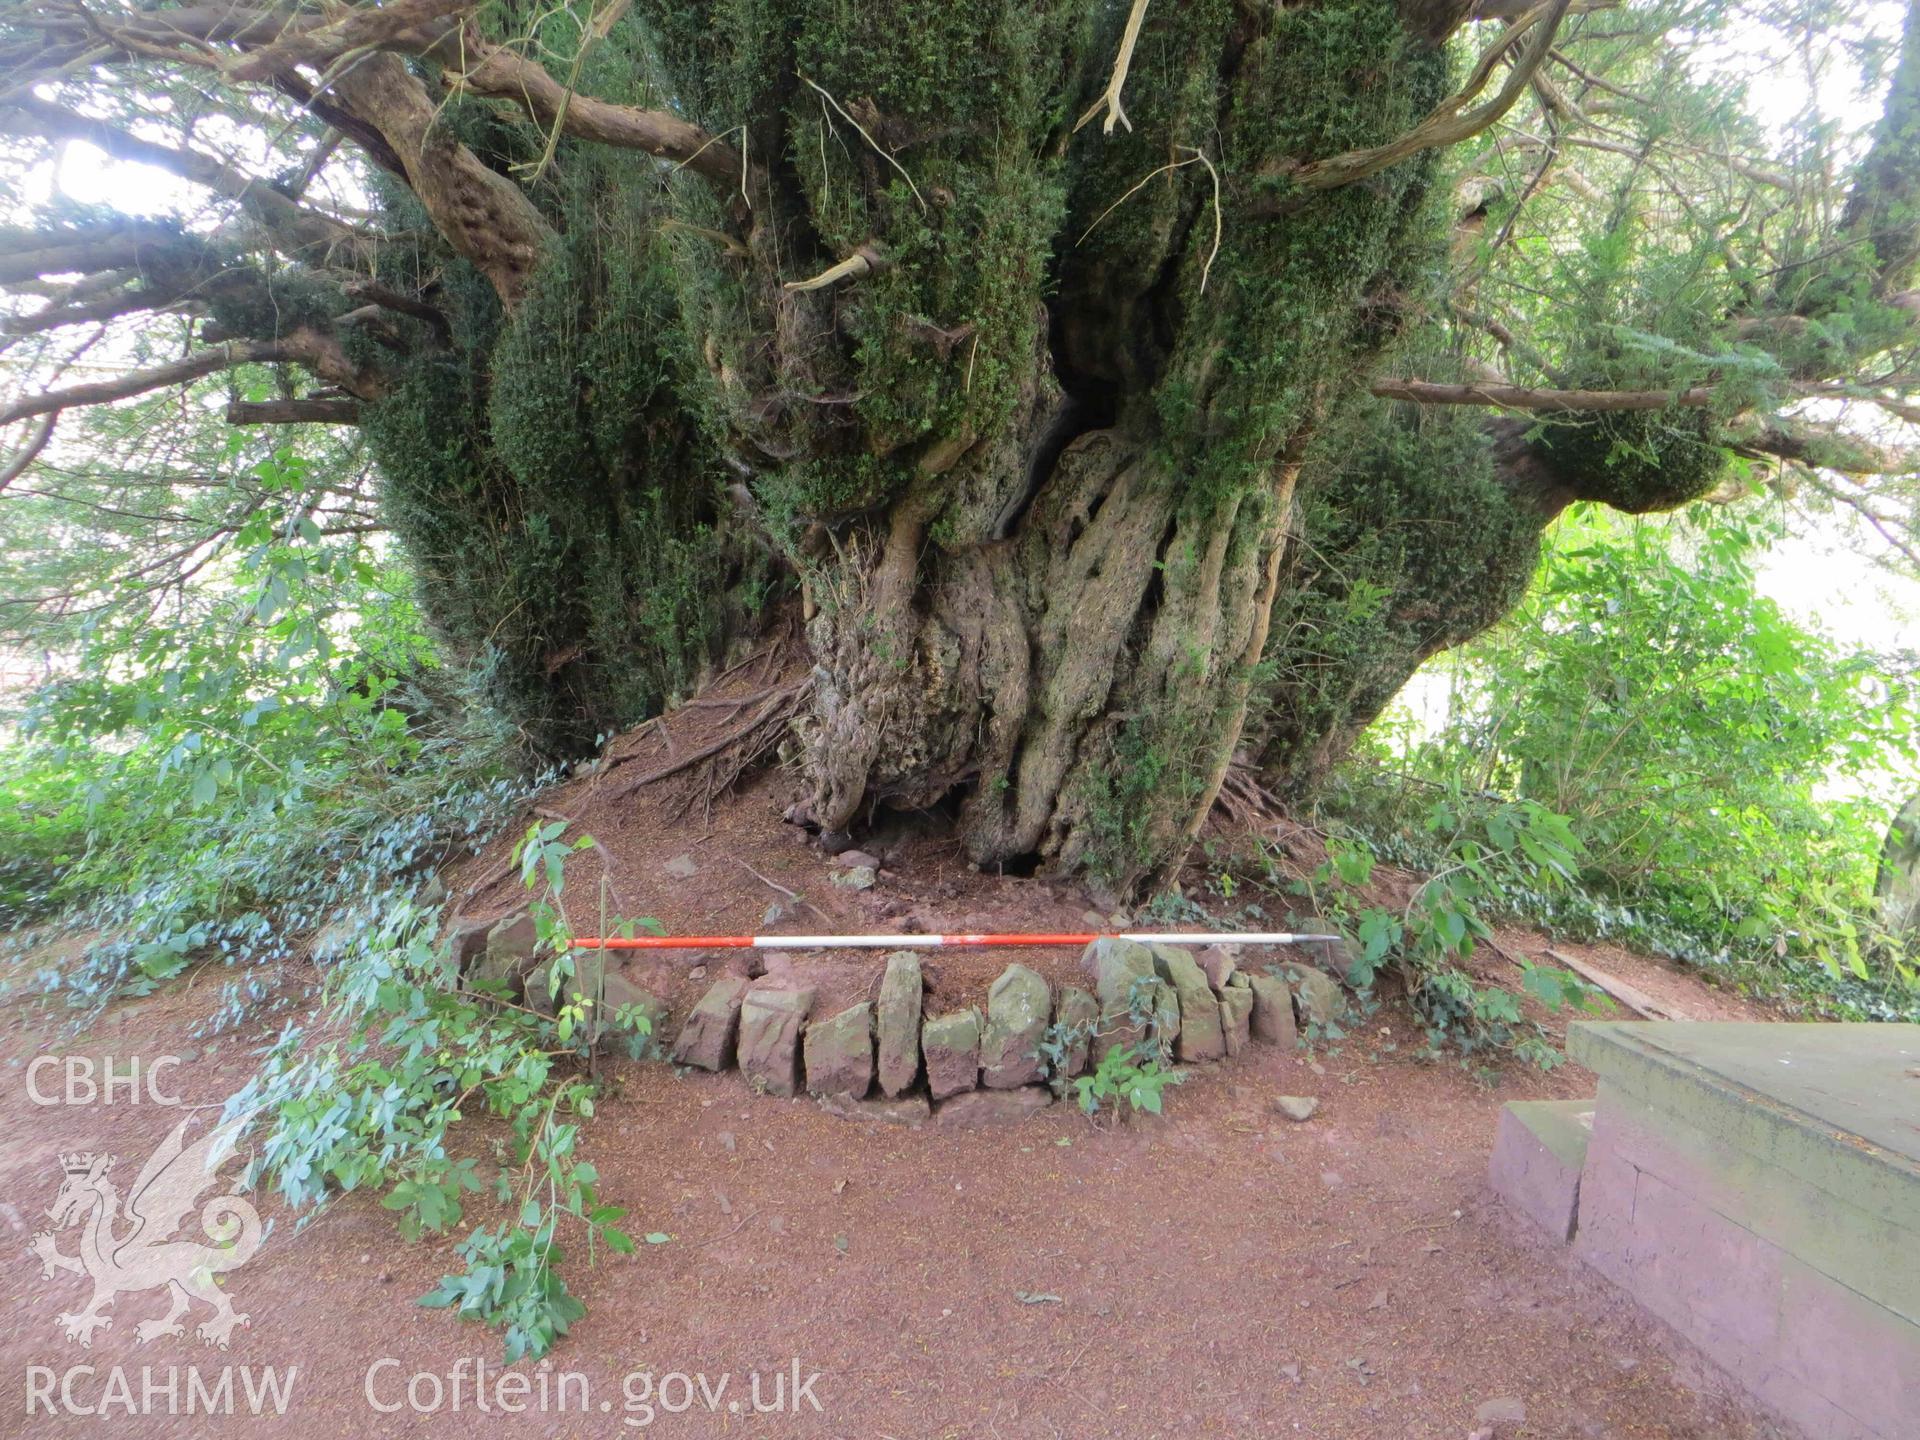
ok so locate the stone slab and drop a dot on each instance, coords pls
(708, 1037)
(1836, 1106)
(837, 1053)
(1076, 1015)
(897, 1023)
(1018, 1008)
(1830, 1360)
(1273, 1019)
(771, 1023)
(951, 1044)
(911, 1110)
(1200, 1036)
(1236, 1014)
(1757, 1187)
(1538, 1155)
(1852, 1083)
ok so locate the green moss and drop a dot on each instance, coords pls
(1124, 799)
(1235, 350)
(730, 59)
(565, 511)
(937, 342)
(1283, 309)
(276, 303)
(1406, 542)
(1635, 460)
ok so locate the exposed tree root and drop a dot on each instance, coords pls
(750, 740)
(1244, 801)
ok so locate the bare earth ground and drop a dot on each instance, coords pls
(1218, 1272)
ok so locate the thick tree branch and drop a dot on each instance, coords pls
(306, 410)
(1824, 447)
(1517, 9)
(371, 142)
(89, 312)
(313, 40)
(141, 382)
(433, 29)
(369, 94)
(499, 74)
(38, 434)
(484, 216)
(90, 249)
(373, 293)
(318, 353)
(1528, 397)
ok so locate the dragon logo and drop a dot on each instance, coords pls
(145, 1257)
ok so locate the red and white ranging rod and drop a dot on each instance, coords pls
(932, 942)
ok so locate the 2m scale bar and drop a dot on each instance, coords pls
(934, 942)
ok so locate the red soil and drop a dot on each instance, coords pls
(1217, 1272)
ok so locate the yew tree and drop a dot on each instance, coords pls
(1127, 394)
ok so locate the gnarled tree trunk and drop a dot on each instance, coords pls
(1025, 404)
(1029, 340)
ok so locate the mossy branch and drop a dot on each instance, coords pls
(1450, 123)
(1529, 397)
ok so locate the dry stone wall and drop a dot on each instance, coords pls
(890, 1060)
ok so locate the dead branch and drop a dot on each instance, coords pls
(1826, 447)
(855, 265)
(374, 293)
(1123, 61)
(317, 352)
(1631, 996)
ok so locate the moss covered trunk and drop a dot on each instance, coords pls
(1020, 408)
(1080, 675)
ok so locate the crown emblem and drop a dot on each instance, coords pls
(76, 1162)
